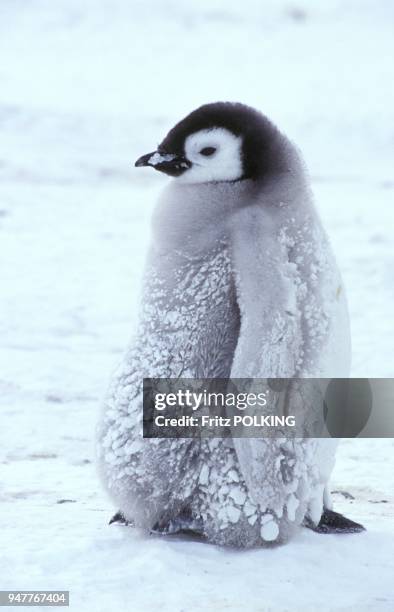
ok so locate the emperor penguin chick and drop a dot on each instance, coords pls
(240, 282)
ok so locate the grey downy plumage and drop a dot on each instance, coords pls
(240, 281)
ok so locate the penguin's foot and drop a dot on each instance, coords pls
(333, 522)
(120, 518)
(183, 523)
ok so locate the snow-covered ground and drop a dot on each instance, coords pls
(86, 87)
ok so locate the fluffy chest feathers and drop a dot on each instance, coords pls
(190, 320)
(193, 219)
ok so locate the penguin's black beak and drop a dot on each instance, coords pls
(169, 163)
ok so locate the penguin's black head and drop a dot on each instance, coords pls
(223, 141)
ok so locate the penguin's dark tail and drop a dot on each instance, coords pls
(333, 522)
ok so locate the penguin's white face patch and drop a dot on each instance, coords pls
(215, 155)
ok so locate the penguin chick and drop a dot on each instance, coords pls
(240, 281)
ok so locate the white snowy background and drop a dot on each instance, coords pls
(86, 87)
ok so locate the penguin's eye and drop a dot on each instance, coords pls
(207, 151)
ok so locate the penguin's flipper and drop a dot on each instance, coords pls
(333, 522)
(120, 518)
